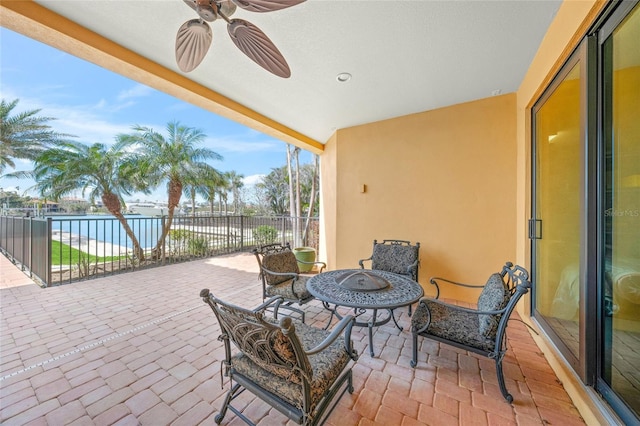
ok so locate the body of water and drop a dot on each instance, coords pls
(109, 230)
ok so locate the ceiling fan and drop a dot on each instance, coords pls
(194, 36)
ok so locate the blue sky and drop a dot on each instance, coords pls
(95, 105)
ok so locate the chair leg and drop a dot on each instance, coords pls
(332, 398)
(230, 395)
(287, 306)
(414, 358)
(503, 387)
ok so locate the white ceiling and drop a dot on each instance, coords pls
(405, 56)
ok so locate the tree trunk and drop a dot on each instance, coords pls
(175, 192)
(296, 153)
(192, 192)
(112, 202)
(292, 197)
(312, 198)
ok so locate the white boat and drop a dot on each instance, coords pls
(148, 209)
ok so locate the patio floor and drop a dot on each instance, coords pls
(142, 348)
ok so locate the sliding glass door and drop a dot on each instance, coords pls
(620, 295)
(585, 224)
(559, 146)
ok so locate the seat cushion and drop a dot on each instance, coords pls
(284, 261)
(450, 324)
(326, 366)
(284, 289)
(495, 296)
(393, 258)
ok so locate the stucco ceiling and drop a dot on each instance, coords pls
(404, 56)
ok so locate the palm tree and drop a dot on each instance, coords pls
(275, 189)
(23, 135)
(222, 189)
(209, 186)
(173, 160)
(234, 184)
(108, 172)
(203, 179)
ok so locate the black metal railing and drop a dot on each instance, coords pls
(63, 249)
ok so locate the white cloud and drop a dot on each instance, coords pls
(102, 103)
(137, 91)
(251, 180)
(243, 143)
(86, 123)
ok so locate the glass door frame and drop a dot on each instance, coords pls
(603, 29)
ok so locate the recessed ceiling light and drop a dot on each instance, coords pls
(343, 77)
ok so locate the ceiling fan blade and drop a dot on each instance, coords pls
(258, 47)
(266, 5)
(192, 43)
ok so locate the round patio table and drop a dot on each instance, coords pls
(362, 290)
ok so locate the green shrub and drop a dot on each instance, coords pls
(265, 234)
(180, 235)
(198, 246)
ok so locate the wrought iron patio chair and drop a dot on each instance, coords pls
(300, 370)
(281, 276)
(397, 256)
(480, 330)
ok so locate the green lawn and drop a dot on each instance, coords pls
(63, 254)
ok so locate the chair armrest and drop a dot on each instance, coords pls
(434, 281)
(361, 262)
(272, 301)
(282, 274)
(345, 323)
(463, 309)
(324, 265)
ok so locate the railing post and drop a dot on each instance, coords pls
(30, 247)
(241, 233)
(228, 237)
(164, 242)
(48, 277)
(23, 255)
(284, 229)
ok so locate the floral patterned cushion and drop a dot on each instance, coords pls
(299, 291)
(495, 296)
(451, 324)
(285, 261)
(393, 258)
(326, 366)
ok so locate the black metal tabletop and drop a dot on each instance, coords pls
(401, 290)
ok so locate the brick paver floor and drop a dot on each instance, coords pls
(141, 349)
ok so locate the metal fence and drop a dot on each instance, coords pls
(61, 249)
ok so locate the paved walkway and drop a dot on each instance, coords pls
(141, 349)
(10, 275)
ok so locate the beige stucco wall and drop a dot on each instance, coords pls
(328, 204)
(445, 178)
(456, 179)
